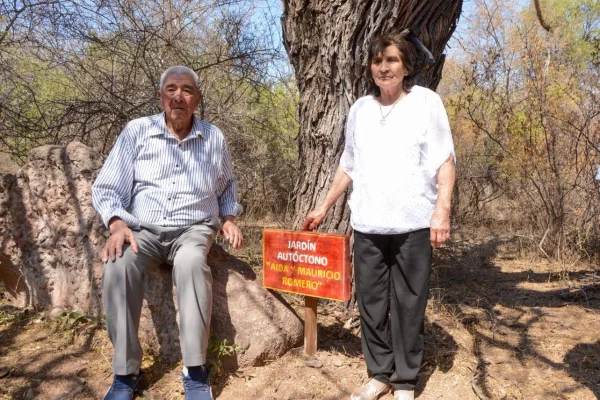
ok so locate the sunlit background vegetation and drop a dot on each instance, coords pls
(523, 102)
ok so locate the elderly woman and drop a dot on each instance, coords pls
(399, 155)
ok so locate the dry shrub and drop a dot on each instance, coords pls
(75, 70)
(526, 117)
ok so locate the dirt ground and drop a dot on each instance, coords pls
(499, 326)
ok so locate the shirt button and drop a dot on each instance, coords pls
(170, 198)
(177, 165)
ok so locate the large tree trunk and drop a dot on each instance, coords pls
(327, 42)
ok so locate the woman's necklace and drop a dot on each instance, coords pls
(382, 122)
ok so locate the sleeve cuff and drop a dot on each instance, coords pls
(234, 209)
(347, 169)
(439, 161)
(129, 219)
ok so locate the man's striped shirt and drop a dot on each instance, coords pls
(149, 176)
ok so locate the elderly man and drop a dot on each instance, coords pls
(164, 191)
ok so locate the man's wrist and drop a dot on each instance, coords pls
(116, 223)
(228, 218)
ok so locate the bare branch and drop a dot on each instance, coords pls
(538, 12)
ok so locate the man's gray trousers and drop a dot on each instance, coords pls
(186, 249)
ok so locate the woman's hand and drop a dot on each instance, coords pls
(340, 183)
(440, 220)
(440, 226)
(314, 219)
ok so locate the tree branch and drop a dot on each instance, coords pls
(538, 11)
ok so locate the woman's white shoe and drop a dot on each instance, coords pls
(404, 395)
(370, 390)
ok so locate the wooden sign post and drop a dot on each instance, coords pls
(316, 265)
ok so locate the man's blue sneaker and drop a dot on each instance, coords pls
(195, 383)
(123, 387)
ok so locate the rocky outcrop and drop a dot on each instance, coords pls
(51, 238)
(50, 232)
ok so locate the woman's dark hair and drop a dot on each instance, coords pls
(407, 56)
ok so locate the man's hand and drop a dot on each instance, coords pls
(119, 234)
(314, 219)
(231, 232)
(440, 226)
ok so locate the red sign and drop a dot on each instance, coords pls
(313, 264)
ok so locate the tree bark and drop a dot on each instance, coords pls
(327, 43)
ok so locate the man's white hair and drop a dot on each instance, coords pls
(179, 69)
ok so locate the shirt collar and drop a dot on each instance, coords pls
(197, 128)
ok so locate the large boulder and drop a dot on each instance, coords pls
(51, 238)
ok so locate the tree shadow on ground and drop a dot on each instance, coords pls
(50, 370)
(471, 287)
(8, 335)
(440, 347)
(440, 351)
(336, 338)
(583, 364)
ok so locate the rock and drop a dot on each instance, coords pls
(244, 313)
(51, 239)
(29, 394)
(56, 312)
(337, 361)
(352, 323)
(313, 363)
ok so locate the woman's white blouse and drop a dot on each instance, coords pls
(394, 166)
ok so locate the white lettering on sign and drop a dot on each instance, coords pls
(303, 258)
(299, 245)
